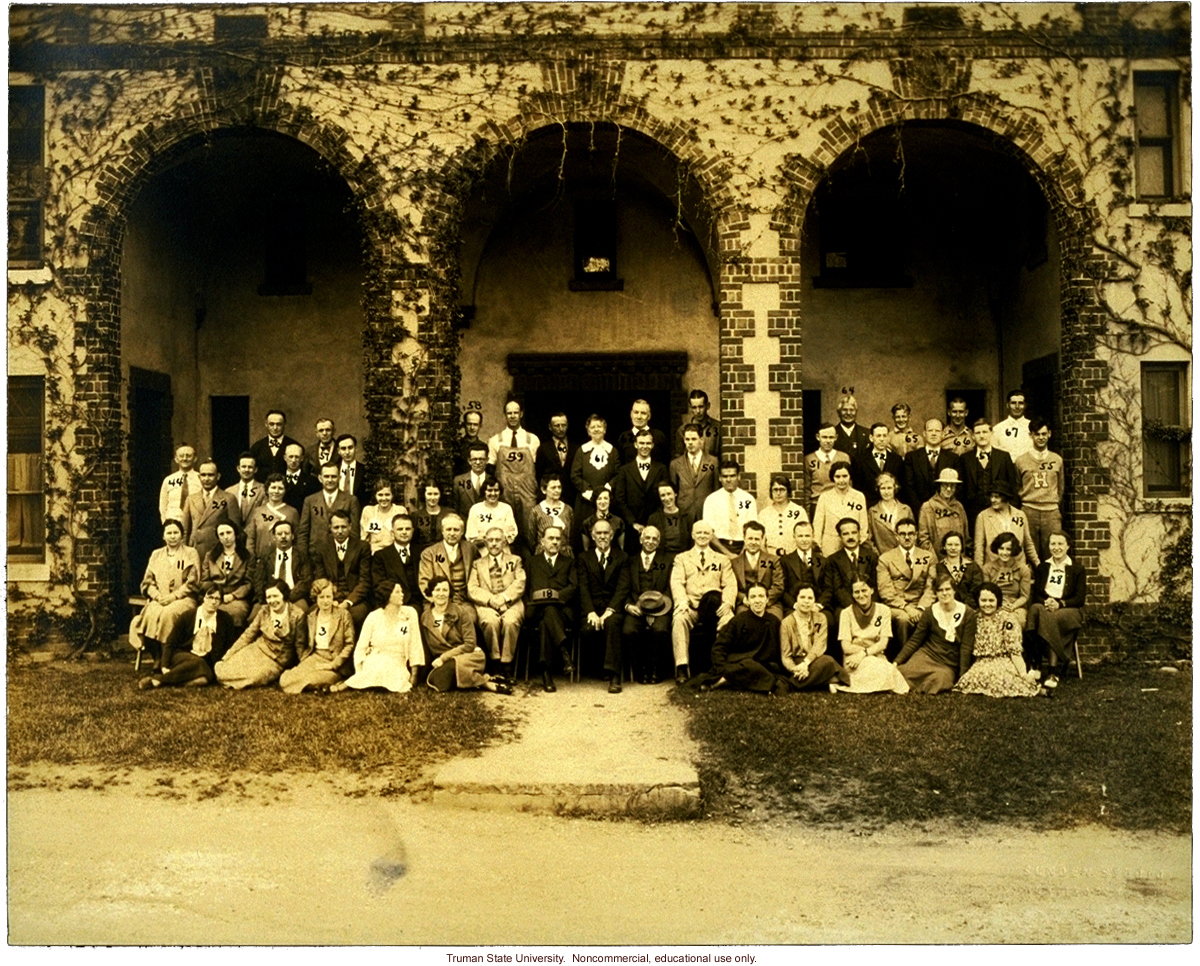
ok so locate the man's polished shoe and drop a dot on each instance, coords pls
(548, 683)
(568, 664)
(681, 677)
(614, 686)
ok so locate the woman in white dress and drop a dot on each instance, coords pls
(780, 516)
(389, 648)
(376, 521)
(839, 501)
(865, 629)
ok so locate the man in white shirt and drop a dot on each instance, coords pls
(512, 453)
(352, 474)
(820, 462)
(1012, 434)
(282, 561)
(173, 494)
(729, 510)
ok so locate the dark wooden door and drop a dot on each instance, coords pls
(151, 451)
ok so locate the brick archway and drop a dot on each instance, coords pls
(1060, 180)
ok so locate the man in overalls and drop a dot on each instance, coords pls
(512, 452)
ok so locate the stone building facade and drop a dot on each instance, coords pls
(390, 213)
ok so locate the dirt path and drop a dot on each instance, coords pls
(139, 858)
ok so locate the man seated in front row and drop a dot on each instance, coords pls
(704, 592)
(552, 588)
(905, 580)
(746, 654)
(342, 558)
(496, 586)
(282, 561)
(755, 566)
(603, 589)
(397, 563)
(451, 557)
(646, 630)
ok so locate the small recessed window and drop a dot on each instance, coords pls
(26, 492)
(1156, 106)
(1166, 463)
(596, 248)
(26, 174)
(240, 27)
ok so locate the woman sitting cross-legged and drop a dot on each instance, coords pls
(195, 646)
(803, 637)
(937, 651)
(999, 667)
(325, 659)
(268, 646)
(458, 661)
(864, 630)
(389, 649)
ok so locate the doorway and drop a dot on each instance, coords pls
(151, 452)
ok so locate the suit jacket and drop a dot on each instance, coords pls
(561, 579)
(238, 580)
(387, 568)
(314, 518)
(264, 570)
(840, 575)
(769, 573)
(690, 581)
(547, 461)
(854, 442)
(360, 490)
(919, 476)
(658, 577)
(201, 517)
(313, 461)
(636, 498)
(978, 482)
(864, 471)
(797, 575)
(694, 488)
(244, 507)
(903, 586)
(257, 531)
(598, 590)
(261, 451)
(355, 582)
(182, 637)
(435, 563)
(465, 495)
(509, 584)
(294, 494)
(710, 437)
(628, 451)
(1074, 593)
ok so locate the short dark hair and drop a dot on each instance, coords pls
(843, 521)
(276, 412)
(753, 525)
(245, 455)
(1037, 424)
(477, 445)
(698, 394)
(994, 588)
(340, 514)
(729, 463)
(778, 479)
(1015, 392)
(875, 426)
(981, 422)
(952, 533)
(282, 523)
(345, 436)
(901, 406)
(276, 478)
(841, 465)
(1002, 539)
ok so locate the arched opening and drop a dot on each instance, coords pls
(934, 272)
(588, 244)
(241, 284)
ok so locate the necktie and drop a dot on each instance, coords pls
(733, 527)
(562, 451)
(879, 458)
(646, 562)
(274, 444)
(854, 561)
(701, 559)
(183, 490)
(281, 566)
(983, 460)
(643, 468)
(347, 482)
(293, 479)
(513, 442)
(604, 562)
(696, 465)
(404, 555)
(932, 458)
(494, 569)
(908, 558)
(807, 560)
(341, 551)
(246, 492)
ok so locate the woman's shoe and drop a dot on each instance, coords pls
(499, 687)
(1051, 681)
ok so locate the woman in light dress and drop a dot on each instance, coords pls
(375, 524)
(999, 668)
(458, 661)
(228, 569)
(389, 649)
(1009, 571)
(836, 503)
(172, 586)
(887, 514)
(490, 512)
(268, 646)
(864, 631)
(325, 658)
(260, 528)
(780, 516)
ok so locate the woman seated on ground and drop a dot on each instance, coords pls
(268, 646)
(259, 529)
(780, 516)
(803, 637)
(490, 512)
(1059, 591)
(887, 514)
(325, 657)
(964, 573)
(228, 569)
(389, 649)
(937, 651)
(427, 521)
(998, 670)
(458, 661)
(864, 630)
(375, 523)
(1008, 571)
(836, 503)
(195, 646)
(550, 512)
(673, 523)
(171, 583)
(604, 512)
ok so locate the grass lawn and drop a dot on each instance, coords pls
(96, 716)
(1103, 750)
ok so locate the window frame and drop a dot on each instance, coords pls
(18, 561)
(1168, 81)
(27, 180)
(1179, 485)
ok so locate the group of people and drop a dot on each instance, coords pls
(923, 561)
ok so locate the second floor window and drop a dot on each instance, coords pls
(1156, 103)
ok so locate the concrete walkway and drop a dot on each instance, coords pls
(582, 750)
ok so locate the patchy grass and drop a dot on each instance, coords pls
(1102, 751)
(99, 718)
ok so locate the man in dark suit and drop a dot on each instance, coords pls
(396, 562)
(984, 468)
(316, 511)
(647, 625)
(283, 562)
(207, 509)
(298, 483)
(922, 466)
(468, 487)
(603, 588)
(556, 455)
(804, 567)
(324, 447)
(639, 415)
(268, 451)
(851, 438)
(635, 487)
(755, 566)
(352, 475)
(472, 422)
(343, 558)
(551, 591)
(853, 562)
(708, 429)
(875, 459)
